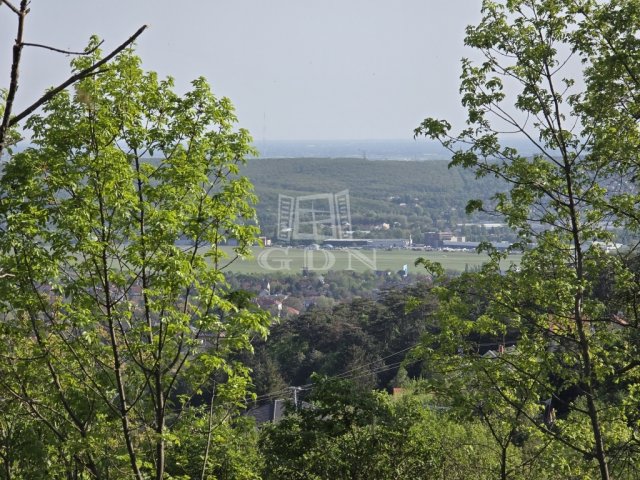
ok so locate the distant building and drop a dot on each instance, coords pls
(273, 411)
(275, 304)
(435, 239)
(347, 242)
(266, 241)
(390, 243)
(460, 243)
(448, 240)
(368, 242)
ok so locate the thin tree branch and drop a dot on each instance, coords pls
(71, 80)
(59, 50)
(12, 7)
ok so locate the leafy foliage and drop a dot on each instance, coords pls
(350, 432)
(364, 339)
(572, 349)
(115, 307)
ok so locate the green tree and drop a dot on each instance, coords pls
(117, 313)
(560, 199)
(347, 432)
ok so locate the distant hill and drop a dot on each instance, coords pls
(408, 149)
(399, 149)
(415, 196)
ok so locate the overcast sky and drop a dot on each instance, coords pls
(295, 69)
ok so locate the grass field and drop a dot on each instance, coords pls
(292, 260)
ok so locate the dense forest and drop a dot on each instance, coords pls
(368, 338)
(411, 197)
(128, 351)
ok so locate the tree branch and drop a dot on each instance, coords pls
(71, 80)
(12, 7)
(59, 50)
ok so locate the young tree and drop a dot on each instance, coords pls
(561, 200)
(118, 314)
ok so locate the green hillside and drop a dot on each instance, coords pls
(416, 196)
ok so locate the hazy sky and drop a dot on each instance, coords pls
(295, 69)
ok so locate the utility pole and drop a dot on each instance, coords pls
(295, 396)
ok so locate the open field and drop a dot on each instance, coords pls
(292, 260)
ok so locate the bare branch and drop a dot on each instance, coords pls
(59, 50)
(71, 80)
(12, 7)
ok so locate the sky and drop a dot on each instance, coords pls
(294, 69)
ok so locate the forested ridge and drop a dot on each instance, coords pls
(128, 351)
(419, 196)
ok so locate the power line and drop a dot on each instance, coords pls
(382, 369)
(375, 361)
(348, 375)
